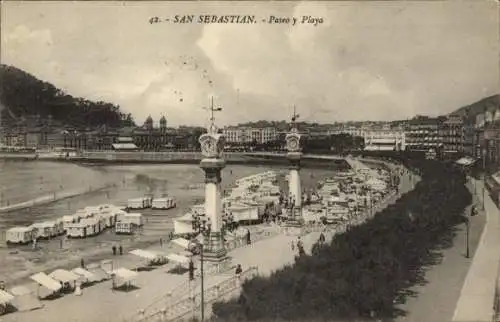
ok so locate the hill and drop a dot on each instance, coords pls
(23, 96)
(490, 103)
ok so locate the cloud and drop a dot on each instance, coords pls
(365, 61)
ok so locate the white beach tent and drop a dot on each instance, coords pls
(98, 272)
(84, 275)
(122, 276)
(64, 276)
(144, 254)
(150, 256)
(5, 298)
(183, 225)
(182, 242)
(180, 259)
(24, 299)
(47, 282)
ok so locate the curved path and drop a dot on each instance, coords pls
(478, 292)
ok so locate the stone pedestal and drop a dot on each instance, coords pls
(295, 188)
(213, 246)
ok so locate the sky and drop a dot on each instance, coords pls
(366, 61)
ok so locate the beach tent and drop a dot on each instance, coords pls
(46, 281)
(183, 260)
(151, 257)
(143, 254)
(5, 297)
(85, 276)
(123, 276)
(183, 226)
(99, 273)
(64, 276)
(24, 299)
(182, 242)
(5, 300)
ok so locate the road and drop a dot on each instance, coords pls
(436, 300)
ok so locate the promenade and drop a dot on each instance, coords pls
(435, 301)
(478, 292)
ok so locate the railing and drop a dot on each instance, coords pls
(496, 300)
(192, 303)
(183, 289)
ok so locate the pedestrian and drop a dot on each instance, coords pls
(238, 270)
(114, 249)
(161, 242)
(293, 245)
(82, 263)
(61, 243)
(473, 211)
(121, 250)
(248, 237)
(191, 270)
(322, 238)
(300, 247)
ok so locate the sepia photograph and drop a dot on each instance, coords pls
(267, 161)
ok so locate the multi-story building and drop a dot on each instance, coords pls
(248, 135)
(351, 130)
(451, 132)
(423, 133)
(385, 140)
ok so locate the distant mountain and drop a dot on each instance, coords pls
(23, 97)
(469, 112)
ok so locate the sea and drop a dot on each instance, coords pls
(22, 181)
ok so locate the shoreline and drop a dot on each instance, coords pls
(70, 257)
(51, 198)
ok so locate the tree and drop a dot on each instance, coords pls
(362, 273)
(43, 99)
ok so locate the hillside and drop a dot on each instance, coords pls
(23, 96)
(490, 103)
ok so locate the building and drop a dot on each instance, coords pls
(249, 135)
(452, 134)
(423, 133)
(351, 130)
(385, 140)
(124, 144)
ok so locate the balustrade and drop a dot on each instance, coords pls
(193, 302)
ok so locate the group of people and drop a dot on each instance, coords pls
(114, 249)
(299, 245)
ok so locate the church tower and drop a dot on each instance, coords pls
(148, 124)
(163, 124)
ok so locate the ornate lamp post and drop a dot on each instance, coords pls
(212, 145)
(201, 228)
(294, 155)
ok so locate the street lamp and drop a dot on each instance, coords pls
(201, 228)
(199, 245)
(484, 177)
(467, 230)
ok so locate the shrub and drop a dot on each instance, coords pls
(364, 272)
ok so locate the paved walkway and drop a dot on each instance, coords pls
(478, 292)
(436, 300)
(100, 303)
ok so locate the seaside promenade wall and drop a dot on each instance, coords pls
(478, 295)
(185, 157)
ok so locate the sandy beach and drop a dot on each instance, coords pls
(269, 253)
(183, 183)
